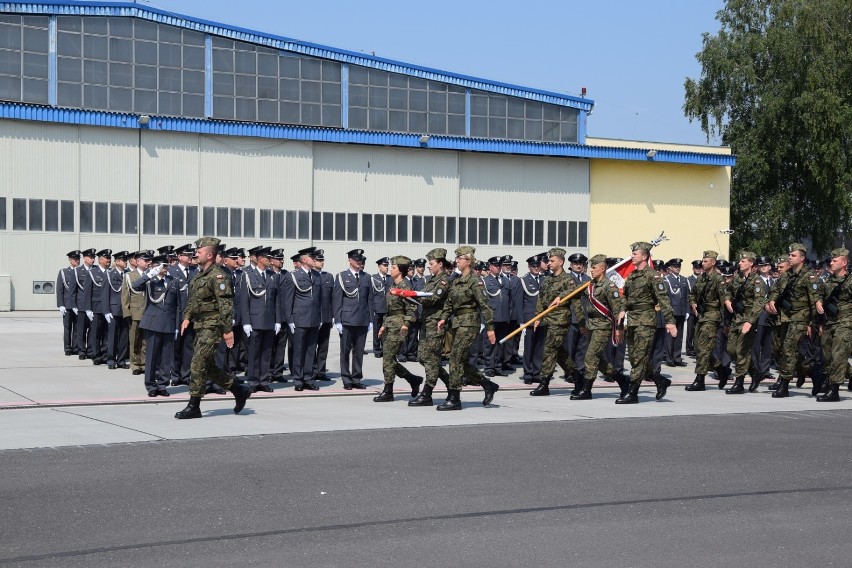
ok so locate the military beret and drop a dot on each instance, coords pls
(401, 261)
(420, 262)
(506, 260)
(641, 245)
(467, 251)
(839, 252)
(384, 260)
(659, 265)
(296, 257)
(798, 247)
(748, 255)
(710, 254)
(73, 254)
(357, 254)
(88, 252)
(763, 261)
(598, 259)
(674, 262)
(578, 258)
(437, 254)
(318, 254)
(556, 252)
(207, 242)
(121, 255)
(696, 264)
(782, 260)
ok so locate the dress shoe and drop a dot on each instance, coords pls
(322, 377)
(508, 368)
(264, 388)
(412, 358)
(152, 394)
(110, 365)
(137, 372)
(311, 387)
(125, 365)
(671, 364)
(347, 387)
(82, 356)
(662, 386)
(378, 355)
(500, 373)
(299, 388)
(401, 358)
(68, 353)
(163, 392)
(359, 386)
(489, 373)
(97, 361)
(680, 364)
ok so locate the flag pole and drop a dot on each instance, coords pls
(579, 289)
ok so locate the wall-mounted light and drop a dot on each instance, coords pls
(144, 119)
(650, 154)
(726, 231)
(425, 139)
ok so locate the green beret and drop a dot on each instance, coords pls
(556, 252)
(748, 255)
(437, 254)
(466, 251)
(839, 252)
(597, 259)
(641, 245)
(799, 247)
(401, 261)
(710, 254)
(207, 242)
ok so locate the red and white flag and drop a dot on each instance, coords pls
(619, 272)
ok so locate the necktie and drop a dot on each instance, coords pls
(358, 277)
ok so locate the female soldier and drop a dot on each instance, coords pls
(465, 302)
(401, 314)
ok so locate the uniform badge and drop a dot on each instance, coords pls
(814, 286)
(660, 287)
(222, 286)
(438, 291)
(219, 277)
(615, 294)
(757, 289)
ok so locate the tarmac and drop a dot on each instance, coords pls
(48, 400)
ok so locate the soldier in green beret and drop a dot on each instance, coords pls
(210, 310)
(467, 305)
(744, 300)
(834, 304)
(394, 330)
(644, 292)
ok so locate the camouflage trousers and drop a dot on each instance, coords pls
(429, 353)
(640, 339)
(393, 341)
(836, 346)
(555, 352)
(704, 342)
(596, 354)
(739, 348)
(460, 366)
(791, 360)
(203, 367)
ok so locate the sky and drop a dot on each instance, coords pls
(632, 57)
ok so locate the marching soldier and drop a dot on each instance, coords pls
(326, 317)
(677, 288)
(66, 301)
(351, 306)
(211, 313)
(380, 283)
(116, 353)
(256, 304)
(401, 313)
(133, 307)
(643, 292)
(834, 304)
(301, 308)
(744, 300)
(555, 287)
(706, 300)
(524, 305)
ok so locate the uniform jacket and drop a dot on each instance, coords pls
(748, 293)
(432, 306)
(467, 303)
(378, 298)
(514, 287)
(256, 299)
(210, 300)
(161, 310)
(797, 291)
(90, 296)
(559, 286)
(401, 312)
(132, 302)
(499, 296)
(607, 294)
(526, 297)
(66, 288)
(326, 311)
(584, 302)
(351, 299)
(112, 292)
(709, 295)
(841, 300)
(301, 303)
(644, 291)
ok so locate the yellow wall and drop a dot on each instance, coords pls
(634, 201)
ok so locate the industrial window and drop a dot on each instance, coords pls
(177, 220)
(416, 229)
(439, 230)
(85, 216)
(2, 213)
(51, 215)
(483, 231)
(164, 220)
(379, 227)
(303, 224)
(328, 226)
(428, 229)
(572, 233)
(208, 222)
(472, 226)
(367, 223)
(528, 233)
(221, 222)
(451, 230)
(498, 116)
(191, 220)
(402, 228)
(539, 233)
(352, 227)
(236, 225)
(248, 223)
(149, 216)
(463, 230)
(116, 218)
(265, 224)
(507, 232)
(278, 224)
(562, 238)
(36, 221)
(517, 232)
(340, 226)
(19, 214)
(101, 217)
(551, 233)
(23, 58)
(131, 219)
(582, 238)
(316, 225)
(494, 232)
(291, 224)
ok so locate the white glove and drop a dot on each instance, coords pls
(370, 327)
(339, 327)
(481, 327)
(153, 272)
(233, 321)
(62, 310)
(90, 314)
(247, 329)
(108, 317)
(277, 328)
(292, 327)
(75, 310)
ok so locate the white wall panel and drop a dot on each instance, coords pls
(109, 161)
(38, 159)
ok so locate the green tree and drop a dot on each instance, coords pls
(776, 86)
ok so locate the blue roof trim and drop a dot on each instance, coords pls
(66, 7)
(216, 127)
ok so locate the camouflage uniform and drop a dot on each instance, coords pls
(431, 338)
(401, 312)
(210, 309)
(708, 295)
(557, 322)
(836, 338)
(600, 328)
(465, 301)
(747, 295)
(644, 291)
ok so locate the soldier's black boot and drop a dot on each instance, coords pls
(755, 382)
(631, 396)
(623, 383)
(578, 386)
(723, 374)
(423, 399)
(819, 384)
(415, 383)
(241, 394)
(697, 384)
(192, 410)
(800, 378)
(832, 395)
(774, 386)
(386, 395)
(663, 385)
(490, 387)
(783, 390)
(543, 388)
(444, 376)
(453, 401)
(738, 386)
(585, 391)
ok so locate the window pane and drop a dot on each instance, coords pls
(483, 231)
(131, 219)
(416, 229)
(439, 230)
(248, 223)
(472, 232)
(116, 217)
(149, 214)
(451, 230)
(352, 227)
(582, 240)
(292, 224)
(551, 233)
(390, 228)
(303, 224)
(528, 232)
(494, 232)
(463, 230)
(340, 226)
(428, 233)
(236, 224)
(51, 215)
(221, 222)
(367, 222)
(316, 219)
(2, 213)
(192, 220)
(36, 223)
(402, 228)
(379, 227)
(163, 220)
(265, 223)
(572, 233)
(328, 226)
(518, 232)
(86, 216)
(507, 232)
(19, 214)
(278, 224)
(209, 221)
(562, 234)
(67, 210)
(177, 220)
(539, 233)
